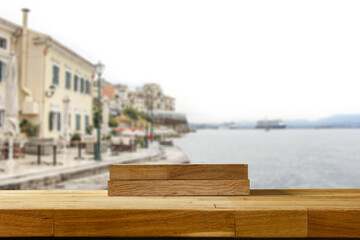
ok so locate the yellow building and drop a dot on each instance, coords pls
(8, 34)
(49, 73)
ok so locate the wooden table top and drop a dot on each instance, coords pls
(265, 213)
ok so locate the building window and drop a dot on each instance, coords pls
(3, 43)
(87, 87)
(68, 80)
(76, 80)
(54, 121)
(2, 70)
(82, 87)
(86, 122)
(51, 121)
(2, 116)
(55, 79)
(58, 121)
(78, 122)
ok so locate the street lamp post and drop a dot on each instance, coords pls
(147, 124)
(99, 70)
(151, 117)
(146, 135)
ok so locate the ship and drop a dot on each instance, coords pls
(270, 124)
(228, 125)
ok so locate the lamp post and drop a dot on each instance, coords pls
(147, 124)
(151, 116)
(99, 68)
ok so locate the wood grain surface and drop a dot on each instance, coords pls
(26, 223)
(271, 224)
(149, 223)
(265, 213)
(179, 188)
(334, 223)
(179, 172)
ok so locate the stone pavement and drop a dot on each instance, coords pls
(28, 175)
(169, 155)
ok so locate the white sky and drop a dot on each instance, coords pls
(221, 60)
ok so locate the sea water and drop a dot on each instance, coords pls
(287, 158)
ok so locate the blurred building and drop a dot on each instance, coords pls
(136, 100)
(169, 103)
(121, 96)
(149, 97)
(96, 84)
(49, 72)
(8, 34)
(155, 98)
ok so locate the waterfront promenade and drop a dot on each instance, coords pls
(27, 174)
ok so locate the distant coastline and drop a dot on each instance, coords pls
(340, 121)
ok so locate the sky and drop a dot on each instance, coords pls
(222, 60)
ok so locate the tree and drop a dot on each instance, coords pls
(112, 121)
(29, 129)
(131, 113)
(145, 116)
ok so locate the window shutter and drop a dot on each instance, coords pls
(1, 71)
(86, 122)
(75, 83)
(50, 121)
(68, 80)
(78, 122)
(86, 86)
(82, 85)
(55, 75)
(58, 121)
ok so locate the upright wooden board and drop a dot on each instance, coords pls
(26, 223)
(179, 172)
(179, 187)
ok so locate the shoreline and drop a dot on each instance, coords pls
(83, 174)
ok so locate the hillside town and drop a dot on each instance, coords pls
(54, 102)
(51, 75)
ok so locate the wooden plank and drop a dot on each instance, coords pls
(304, 192)
(332, 213)
(334, 223)
(143, 223)
(271, 223)
(179, 187)
(179, 172)
(26, 223)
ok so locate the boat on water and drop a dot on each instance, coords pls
(228, 125)
(270, 124)
(166, 143)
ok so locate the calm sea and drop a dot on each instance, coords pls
(311, 158)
